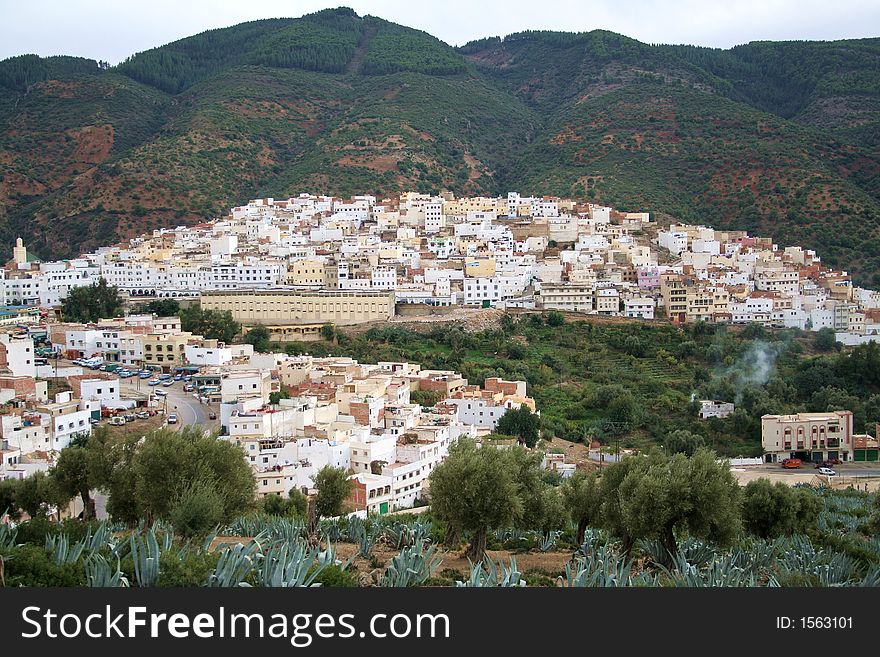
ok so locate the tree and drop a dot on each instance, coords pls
(213, 324)
(35, 493)
(334, 487)
(653, 496)
(89, 303)
(259, 337)
(295, 505)
(8, 504)
(683, 441)
(328, 332)
(474, 491)
(167, 461)
(555, 318)
(70, 476)
(582, 500)
(771, 510)
(199, 507)
(162, 307)
(825, 339)
(275, 397)
(521, 423)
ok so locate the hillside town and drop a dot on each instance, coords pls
(295, 266)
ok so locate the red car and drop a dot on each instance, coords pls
(212, 415)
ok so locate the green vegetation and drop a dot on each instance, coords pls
(189, 479)
(521, 423)
(334, 487)
(589, 385)
(90, 303)
(780, 139)
(213, 324)
(162, 307)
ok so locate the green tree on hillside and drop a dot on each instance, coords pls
(520, 423)
(583, 500)
(653, 496)
(162, 307)
(213, 324)
(89, 303)
(334, 487)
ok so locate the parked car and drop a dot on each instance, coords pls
(168, 382)
(172, 418)
(117, 420)
(161, 393)
(145, 375)
(154, 382)
(164, 377)
(212, 415)
(789, 464)
(835, 461)
(142, 415)
(827, 471)
(188, 387)
(178, 377)
(130, 417)
(188, 377)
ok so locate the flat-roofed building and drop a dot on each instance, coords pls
(808, 436)
(290, 307)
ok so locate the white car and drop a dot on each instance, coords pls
(172, 418)
(161, 393)
(827, 471)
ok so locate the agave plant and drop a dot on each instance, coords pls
(602, 567)
(412, 566)
(366, 540)
(100, 574)
(145, 552)
(492, 575)
(62, 550)
(548, 541)
(329, 530)
(234, 565)
(8, 534)
(354, 527)
(288, 565)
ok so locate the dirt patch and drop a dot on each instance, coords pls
(380, 163)
(93, 143)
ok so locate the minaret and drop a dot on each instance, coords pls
(19, 253)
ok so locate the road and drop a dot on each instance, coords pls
(189, 410)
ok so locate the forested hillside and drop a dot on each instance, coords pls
(778, 138)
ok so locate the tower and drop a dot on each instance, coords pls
(19, 253)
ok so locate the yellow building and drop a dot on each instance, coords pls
(305, 272)
(166, 350)
(674, 293)
(290, 307)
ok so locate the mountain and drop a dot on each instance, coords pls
(782, 139)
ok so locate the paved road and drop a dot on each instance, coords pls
(851, 469)
(187, 407)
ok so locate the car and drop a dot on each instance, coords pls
(164, 377)
(835, 461)
(791, 463)
(145, 375)
(153, 382)
(188, 377)
(827, 471)
(212, 415)
(117, 420)
(130, 417)
(188, 387)
(94, 421)
(169, 382)
(178, 377)
(172, 418)
(161, 393)
(142, 415)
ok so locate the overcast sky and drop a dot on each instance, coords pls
(113, 29)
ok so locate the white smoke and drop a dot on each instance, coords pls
(756, 365)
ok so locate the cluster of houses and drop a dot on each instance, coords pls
(292, 415)
(296, 264)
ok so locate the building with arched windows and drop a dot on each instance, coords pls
(813, 437)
